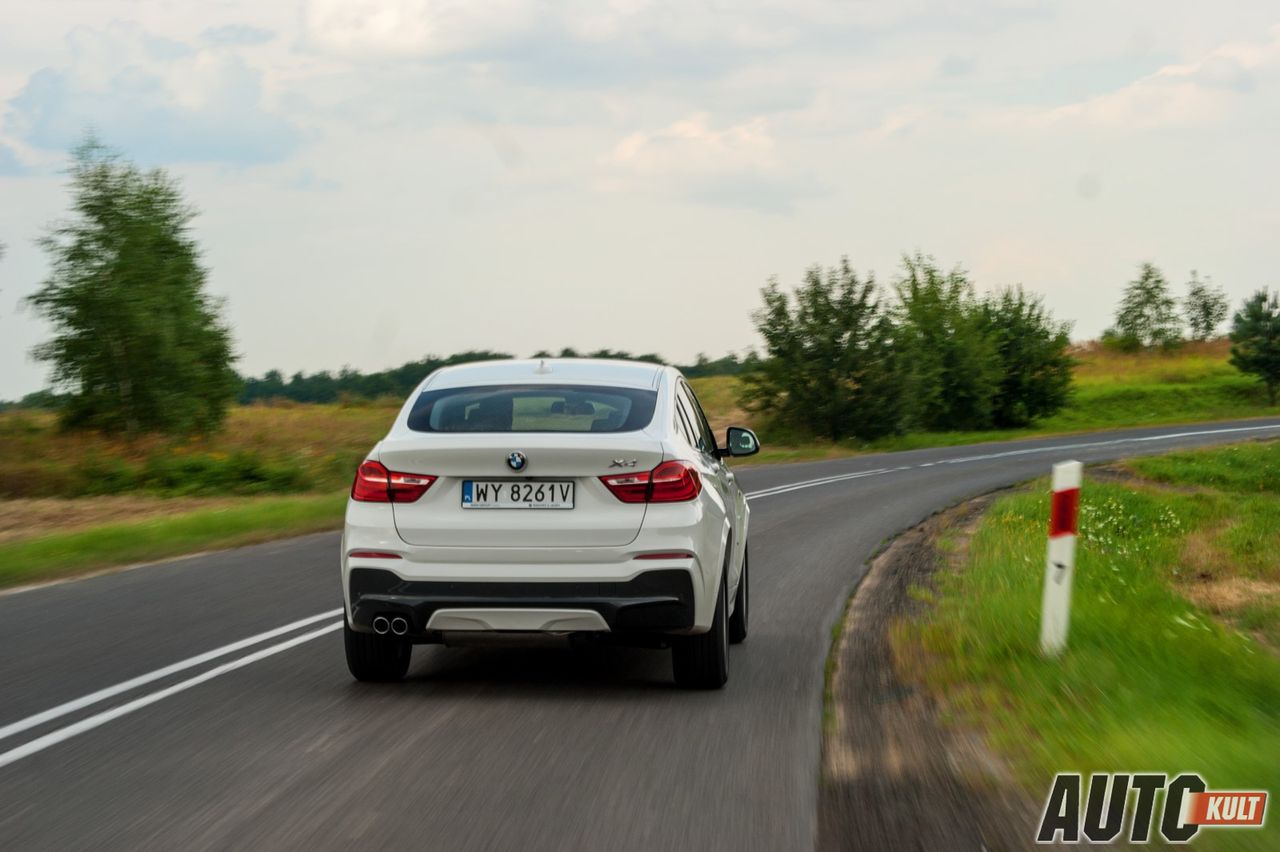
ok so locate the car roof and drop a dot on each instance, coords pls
(583, 371)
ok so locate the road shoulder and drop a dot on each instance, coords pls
(893, 776)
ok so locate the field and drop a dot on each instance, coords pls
(1174, 651)
(54, 484)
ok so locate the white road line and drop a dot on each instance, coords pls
(91, 722)
(811, 483)
(829, 480)
(124, 686)
(1111, 443)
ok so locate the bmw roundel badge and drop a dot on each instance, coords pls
(516, 460)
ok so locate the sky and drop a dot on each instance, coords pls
(378, 180)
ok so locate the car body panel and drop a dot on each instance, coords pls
(597, 518)
(596, 541)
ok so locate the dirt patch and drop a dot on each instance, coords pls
(893, 776)
(20, 519)
(1209, 580)
(1200, 557)
(1231, 594)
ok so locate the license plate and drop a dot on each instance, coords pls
(484, 494)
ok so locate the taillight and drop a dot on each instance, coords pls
(669, 482)
(628, 487)
(675, 482)
(375, 484)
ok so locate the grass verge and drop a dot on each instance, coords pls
(1163, 672)
(255, 520)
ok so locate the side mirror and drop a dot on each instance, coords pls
(741, 442)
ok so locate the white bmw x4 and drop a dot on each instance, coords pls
(565, 496)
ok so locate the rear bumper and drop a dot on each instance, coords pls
(655, 601)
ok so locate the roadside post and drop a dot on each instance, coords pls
(1060, 562)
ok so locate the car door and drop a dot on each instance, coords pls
(715, 473)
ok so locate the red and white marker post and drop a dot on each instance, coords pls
(1060, 564)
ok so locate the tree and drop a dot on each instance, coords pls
(1035, 368)
(828, 365)
(1206, 307)
(1147, 316)
(728, 365)
(138, 344)
(952, 368)
(1255, 340)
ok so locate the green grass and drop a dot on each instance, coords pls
(1116, 405)
(1150, 681)
(257, 519)
(1245, 468)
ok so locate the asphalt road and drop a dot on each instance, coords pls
(268, 744)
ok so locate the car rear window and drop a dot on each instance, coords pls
(533, 408)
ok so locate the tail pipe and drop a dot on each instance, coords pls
(381, 625)
(399, 626)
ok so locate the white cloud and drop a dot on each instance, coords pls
(735, 165)
(157, 98)
(460, 154)
(240, 34)
(1193, 93)
(9, 162)
(410, 27)
(692, 145)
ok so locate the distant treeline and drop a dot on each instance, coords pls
(326, 386)
(397, 382)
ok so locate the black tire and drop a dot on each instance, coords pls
(376, 658)
(738, 621)
(702, 661)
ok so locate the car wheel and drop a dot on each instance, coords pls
(738, 621)
(702, 661)
(375, 658)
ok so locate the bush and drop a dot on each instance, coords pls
(952, 368)
(830, 364)
(1031, 348)
(840, 364)
(1255, 340)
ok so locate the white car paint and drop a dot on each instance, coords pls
(598, 540)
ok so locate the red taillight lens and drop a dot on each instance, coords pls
(669, 482)
(674, 482)
(628, 487)
(371, 484)
(375, 484)
(407, 487)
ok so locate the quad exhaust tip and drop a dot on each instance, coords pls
(399, 626)
(381, 625)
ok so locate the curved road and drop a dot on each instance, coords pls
(146, 709)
